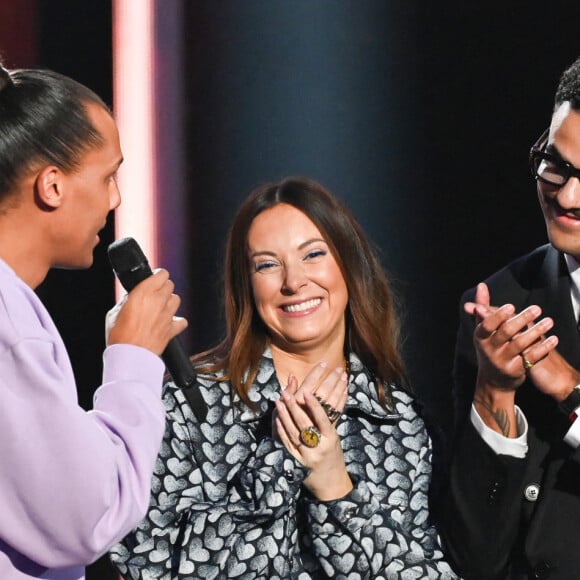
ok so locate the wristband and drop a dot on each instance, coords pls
(571, 403)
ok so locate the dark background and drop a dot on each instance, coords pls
(419, 115)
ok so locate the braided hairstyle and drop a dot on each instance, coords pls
(43, 120)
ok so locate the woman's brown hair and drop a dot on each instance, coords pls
(372, 323)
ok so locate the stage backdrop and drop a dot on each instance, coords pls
(418, 115)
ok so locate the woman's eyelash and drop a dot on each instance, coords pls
(271, 264)
(264, 265)
(316, 253)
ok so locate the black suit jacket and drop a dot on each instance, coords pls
(494, 525)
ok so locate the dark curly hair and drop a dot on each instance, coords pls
(569, 86)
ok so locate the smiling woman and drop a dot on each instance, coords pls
(298, 288)
(313, 461)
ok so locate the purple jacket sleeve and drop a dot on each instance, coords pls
(74, 482)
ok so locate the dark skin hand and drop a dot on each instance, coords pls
(503, 340)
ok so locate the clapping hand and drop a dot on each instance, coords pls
(306, 430)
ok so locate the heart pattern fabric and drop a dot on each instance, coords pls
(228, 502)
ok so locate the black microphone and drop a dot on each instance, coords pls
(131, 267)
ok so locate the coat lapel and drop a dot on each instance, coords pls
(552, 293)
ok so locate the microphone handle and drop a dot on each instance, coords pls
(174, 356)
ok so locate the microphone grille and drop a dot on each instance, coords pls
(125, 255)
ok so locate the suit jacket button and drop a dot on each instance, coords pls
(532, 492)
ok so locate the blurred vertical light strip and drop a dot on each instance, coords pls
(133, 107)
(149, 109)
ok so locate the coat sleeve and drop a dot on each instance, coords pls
(480, 519)
(483, 510)
(368, 535)
(74, 482)
(248, 526)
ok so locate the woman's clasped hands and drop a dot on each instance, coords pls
(304, 424)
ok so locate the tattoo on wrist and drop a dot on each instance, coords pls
(499, 416)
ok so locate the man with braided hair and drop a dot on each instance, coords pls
(72, 482)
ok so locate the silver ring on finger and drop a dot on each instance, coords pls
(332, 413)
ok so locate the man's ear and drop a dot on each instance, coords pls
(49, 190)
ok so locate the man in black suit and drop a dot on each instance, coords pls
(514, 505)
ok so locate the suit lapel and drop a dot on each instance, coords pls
(552, 293)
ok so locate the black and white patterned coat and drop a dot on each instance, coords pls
(228, 501)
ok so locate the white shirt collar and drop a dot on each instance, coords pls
(574, 270)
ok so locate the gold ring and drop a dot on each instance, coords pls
(527, 364)
(310, 436)
(332, 413)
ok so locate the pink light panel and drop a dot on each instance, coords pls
(133, 107)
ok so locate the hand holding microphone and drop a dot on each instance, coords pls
(146, 317)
